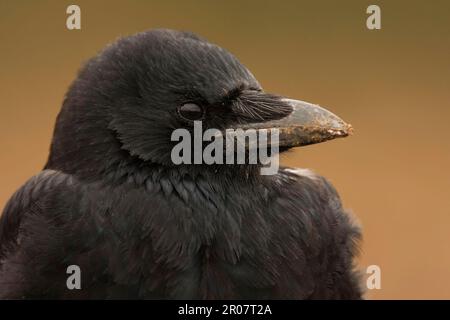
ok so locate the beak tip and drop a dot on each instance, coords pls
(343, 131)
(349, 130)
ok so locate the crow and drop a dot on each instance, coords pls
(111, 202)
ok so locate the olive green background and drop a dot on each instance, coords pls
(391, 84)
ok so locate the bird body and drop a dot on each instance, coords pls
(110, 202)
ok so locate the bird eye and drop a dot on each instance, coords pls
(190, 111)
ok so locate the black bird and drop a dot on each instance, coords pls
(111, 201)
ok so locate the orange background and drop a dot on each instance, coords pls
(392, 85)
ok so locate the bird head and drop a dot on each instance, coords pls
(121, 110)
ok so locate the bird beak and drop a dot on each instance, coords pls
(306, 124)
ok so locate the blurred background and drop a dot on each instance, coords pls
(391, 84)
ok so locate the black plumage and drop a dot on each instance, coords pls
(110, 200)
